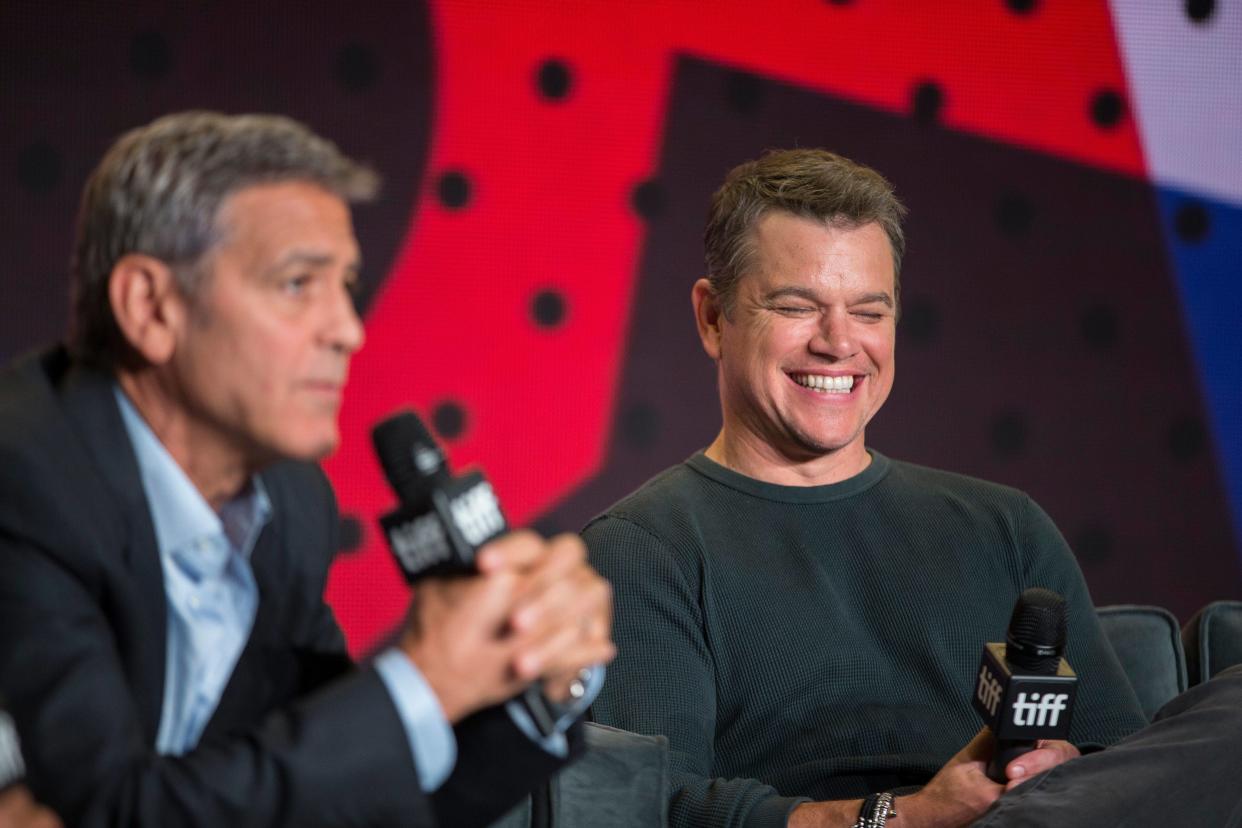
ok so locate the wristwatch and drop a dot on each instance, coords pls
(875, 810)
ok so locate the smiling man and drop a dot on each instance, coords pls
(165, 532)
(801, 615)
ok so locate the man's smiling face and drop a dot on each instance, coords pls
(806, 355)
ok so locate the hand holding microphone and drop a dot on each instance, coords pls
(1025, 690)
(494, 610)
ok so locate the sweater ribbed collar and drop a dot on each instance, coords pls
(876, 470)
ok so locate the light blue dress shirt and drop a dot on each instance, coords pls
(212, 599)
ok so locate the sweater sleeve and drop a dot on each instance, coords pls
(663, 680)
(1106, 708)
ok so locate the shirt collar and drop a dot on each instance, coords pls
(186, 527)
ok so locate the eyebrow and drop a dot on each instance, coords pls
(869, 298)
(790, 291)
(809, 295)
(311, 258)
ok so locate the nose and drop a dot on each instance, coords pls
(834, 336)
(343, 330)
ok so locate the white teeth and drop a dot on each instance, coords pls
(819, 382)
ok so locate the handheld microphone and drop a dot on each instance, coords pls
(12, 769)
(1026, 690)
(441, 520)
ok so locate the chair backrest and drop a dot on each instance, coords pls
(621, 781)
(1148, 643)
(1213, 640)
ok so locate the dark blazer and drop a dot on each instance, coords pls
(300, 737)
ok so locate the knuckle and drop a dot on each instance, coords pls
(570, 542)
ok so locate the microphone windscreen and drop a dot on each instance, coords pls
(411, 458)
(1037, 629)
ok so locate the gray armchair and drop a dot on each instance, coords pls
(1148, 643)
(620, 782)
(1213, 640)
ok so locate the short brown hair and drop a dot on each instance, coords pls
(159, 189)
(812, 183)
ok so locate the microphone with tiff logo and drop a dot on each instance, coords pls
(1025, 690)
(441, 520)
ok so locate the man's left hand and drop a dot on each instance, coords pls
(563, 611)
(1048, 754)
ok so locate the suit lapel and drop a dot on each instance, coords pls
(91, 405)
(266, 673)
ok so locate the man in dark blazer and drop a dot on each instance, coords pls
(212, 330)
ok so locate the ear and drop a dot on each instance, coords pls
(147, 305)
(708, 316)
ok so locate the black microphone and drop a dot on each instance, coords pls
(1026, 690)
(442, 520)
(12, 769)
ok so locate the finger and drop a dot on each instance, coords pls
(517, 550)
(557, 647)
(978, 749)
(540, 652)
(491, 601)
(579, 593)
(557, 684)
(562, 666)
(1035, 762)
(40, 817)
(564, 557)
(474, 607)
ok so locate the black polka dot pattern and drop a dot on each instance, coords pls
(150, 56)
(648, 199)
(350, 534)
(357, 67)
(640, 426)
(1009, 433)
(1099, 327)
(920, 321)
(1041, 344)
(744, 93)
(1187, 438)
(1014, 214)
(1021, 7)
(78, 75)
(449, 420)
(1200, 11)
(1093, 544)
(39, 167)
(453, 190)
(554, 80)
(548, 308)
(1107, 109)
(1191, 222)
(926, 102)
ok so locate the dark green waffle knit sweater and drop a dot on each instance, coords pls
(823, 642)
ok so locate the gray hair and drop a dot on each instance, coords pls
(811, 183)
(159, 190)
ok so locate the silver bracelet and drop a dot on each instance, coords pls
(875, 810)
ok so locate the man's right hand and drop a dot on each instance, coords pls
(958, 794)
(19, 810)
(535, 610)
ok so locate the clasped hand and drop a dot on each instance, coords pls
(535, 611)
